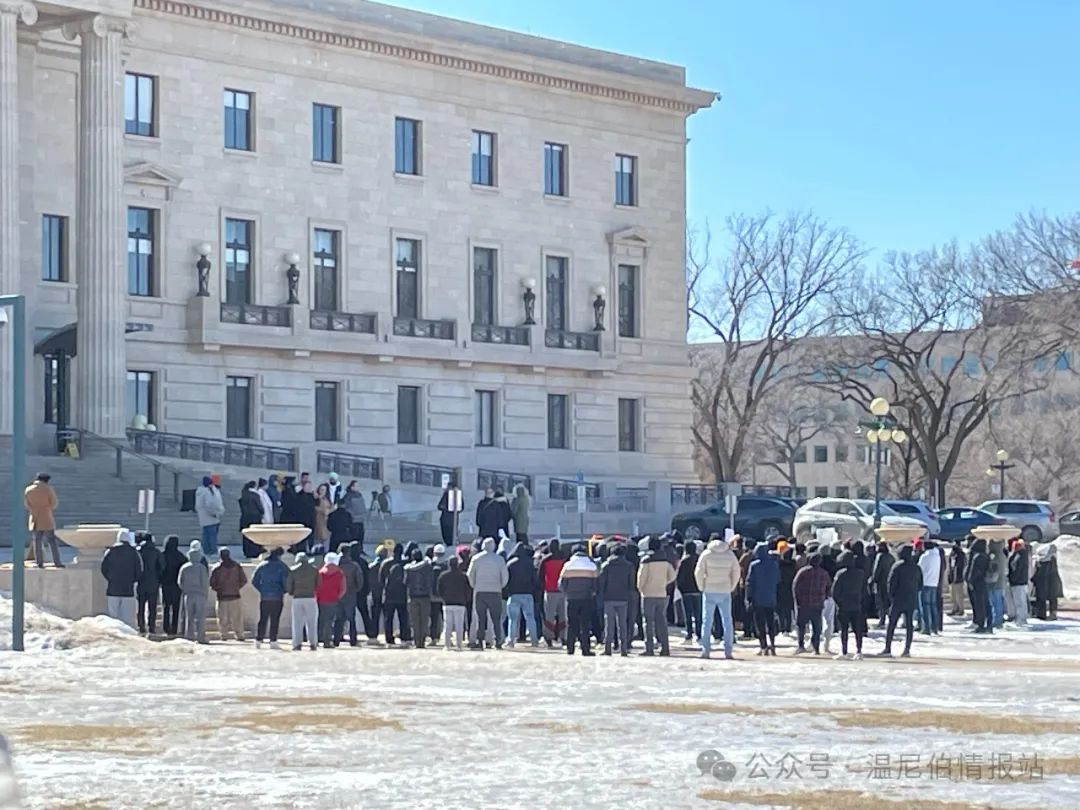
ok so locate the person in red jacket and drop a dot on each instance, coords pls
(551, 566)
(328, 593)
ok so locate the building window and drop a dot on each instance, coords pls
(140, 396)
(821, 454)
(558, 421)
(484, 263)
(555, 176)
(629, 424)
(821, 492)
(324, 133)
(483, 158)
(843, 492)
(326, 411)
(485, 418)
(53, 248)
(408, 414)
(556, 291)
(238, 407)
(870, 451)
(238, 235)
(55, 391)
(140, 251)
(326, 269)
(625, 180)
(406, 146)
(139, 104)
(628, 301)
(800, 493)
(238, 130)
(799, 457)
(841, 453)
(407, 262)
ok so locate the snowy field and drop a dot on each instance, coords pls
(99, 718)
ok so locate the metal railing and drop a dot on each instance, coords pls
(423, 327)
(695, 494)
(562, 339)
(215, 451)
(505, 335)
(327, 321)
(348, 465)
(256, 315)
(123, 452)
(565, 489)
(497, 479)
(426, 475)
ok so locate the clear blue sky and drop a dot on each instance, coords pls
(911, 123)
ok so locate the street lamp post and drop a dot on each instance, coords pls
(880, 430)
(17, 303)
(1002, 457)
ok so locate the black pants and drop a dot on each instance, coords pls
(691, 604)
(882, 601)
(346, 615)
(909, 627)
(327, 614)
(446, 528)
(578, 623)
(634, 620)
(783, 613)
(402, 612)
(269, 617)
(170, 610)
(811, 616)
(980, 605)
(850, 620)
(765, 622)
(371, 625)
(522, 537)
(435, 622)
(148, 602)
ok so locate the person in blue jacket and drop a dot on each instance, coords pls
(762, 582)
(270, 580)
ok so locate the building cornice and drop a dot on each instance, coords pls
(687, 101)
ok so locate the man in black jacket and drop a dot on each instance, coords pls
(122, 568)
(978, 568)
(957, 565)
(905, 582)
(420, 584)
(354, 582)
(616, 586)
(454, 590)
(1018, 581)
(394, 595)
(688, 587)
(883, 564)
(149, 587)
(522, 582)
(847, 591)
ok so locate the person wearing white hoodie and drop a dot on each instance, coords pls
(487, 578)
(930, 565)
(717, 574)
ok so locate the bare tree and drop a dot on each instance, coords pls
(794, 416)
(772, 287)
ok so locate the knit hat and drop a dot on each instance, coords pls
(439, 549)
(332, 559)
(781, 546)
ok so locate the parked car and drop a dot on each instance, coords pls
(920, 511)
(1070, 523)
(852, 518)
(1035, 519)
(958, 521)
(757, 516)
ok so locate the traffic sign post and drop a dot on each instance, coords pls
(146, 506)
(582, 505)
(731, 506)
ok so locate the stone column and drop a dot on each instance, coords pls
(10, 259)
(101, 301)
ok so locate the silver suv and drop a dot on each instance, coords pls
(1035, 519)
(852, 518)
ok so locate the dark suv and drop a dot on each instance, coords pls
(756, 517)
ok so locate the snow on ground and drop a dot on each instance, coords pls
(98, 717)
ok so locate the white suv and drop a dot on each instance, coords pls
(850, 518)
(920, 511)
(1035, 519)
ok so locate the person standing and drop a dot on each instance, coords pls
(930, 566)
(210, 509)
(957, 564)
(323, 507)
(274, 492)
(122, 568)
(762, 582)
(40, 501)
(271, 580)
(194, 582)
(149, 587)
(226, 581)
(328, 594)
(395, 595)
(487, 522)
(519, 511)
(251, 514)
(487, 578)
(717, 575)
(785, 600)
(522, 581)
(1018, 580)
(354, 584)
(980, 572)
(687, 585)
(551, 565)
(456, 595)
(385, 501)
(420, 584)
(353, 502)
(879, 576)
(905, 580)
(303, 508)
(809, 590)
(301, 583)
(448, 506)
(437, 555)
(173, 560)
(998, 582)
(578, 582)
(266, 503)
(848, 589)
(1047, 582)
(615, 588)
(655, 573)
(334, 489)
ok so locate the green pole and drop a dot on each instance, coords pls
(18, 462)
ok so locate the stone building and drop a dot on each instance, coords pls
(375, 199)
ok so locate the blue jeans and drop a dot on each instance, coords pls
(517, 605)
(928, 609)
(209, 539)
(710, 602)
(997, 607)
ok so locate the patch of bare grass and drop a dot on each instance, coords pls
(343, 701)
(79, 737)
(696, 708)
(555, 727)
(959, 722)
(306, 722)
(826, 800)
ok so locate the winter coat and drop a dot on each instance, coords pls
(519, 510)
(551, 565)
(849, 584)
(339, 524)
(1018, 566)
(811, 586)
(251, 508)
(303, 579)
(493, 514)
(420, 579)
(173, 562)
(579, 578)
(353, 503)
(1001, 565)
(153, 566)
(616, 580)
(354, 575)
(784, 597)
(930, 565)
(1046, 579)
(302, 505)
(227, 579)
(323, 508)
(331, 585)
(487, 570)
(905, 579)
(684, 576)
(655, 573)
(122, 567)
(40, 501)
(392, 580)
(453, 586)
(978, 571)
(762, 578)
(209, 507)
(717, 569)
(271, 579)
(194, 577)
(957, 564)
(879, 576)
(521, 574)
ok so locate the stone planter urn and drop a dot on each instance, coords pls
(90, 540)
(996, 532)
(276, 535)
(898, 534)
